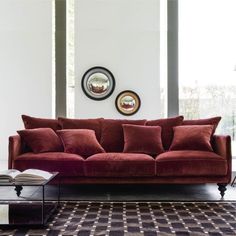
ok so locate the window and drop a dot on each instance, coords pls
(207, 62)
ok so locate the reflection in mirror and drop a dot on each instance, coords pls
(127, 103)
(98, 83)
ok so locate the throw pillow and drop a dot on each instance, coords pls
(142, 139)
(80, 141)
(210, 121)
(33, 123)
(192, 137)
(41, 140)
(167, 128)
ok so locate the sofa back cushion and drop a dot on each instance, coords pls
(143, 139)
(34, 123)
(93, 124)
(167, 128)
(41, 140)
(80, 141)
(112, 137)
(192, 137)
(210, 121)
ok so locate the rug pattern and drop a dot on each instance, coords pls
(138, 218)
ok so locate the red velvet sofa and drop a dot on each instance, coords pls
(117, 167)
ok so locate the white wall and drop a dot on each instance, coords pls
(123, 36)
(25, 64)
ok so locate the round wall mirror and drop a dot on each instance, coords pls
(128, 102)
(98, 83)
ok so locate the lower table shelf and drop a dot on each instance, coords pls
(24, 214)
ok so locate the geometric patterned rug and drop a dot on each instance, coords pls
(138, 218)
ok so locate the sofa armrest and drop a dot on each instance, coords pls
(222, 146)
(14, 149)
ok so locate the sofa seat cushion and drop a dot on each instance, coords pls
(190, 163)
(65, 163)
(119, 165)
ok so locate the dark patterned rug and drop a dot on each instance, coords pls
(138, 218)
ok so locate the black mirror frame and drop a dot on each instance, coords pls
(98, 69)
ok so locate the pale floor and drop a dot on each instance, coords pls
(201, 192)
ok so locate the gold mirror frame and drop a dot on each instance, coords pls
(127, 102)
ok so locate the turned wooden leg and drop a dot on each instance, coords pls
(18, 189)
(222, 188)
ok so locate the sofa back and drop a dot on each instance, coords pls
(109, 132)
(166, 125)
(34, 122)
(93, 124)
(112, 138)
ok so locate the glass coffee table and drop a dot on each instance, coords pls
(22, 211)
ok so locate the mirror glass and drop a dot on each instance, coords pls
(128, 102)
(98, 83)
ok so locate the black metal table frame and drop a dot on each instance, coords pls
(18, 189)
(233, 182)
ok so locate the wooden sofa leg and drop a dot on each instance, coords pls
(222, 188)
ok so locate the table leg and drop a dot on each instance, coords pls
(18, 189)
(43, 202)
(59, 192)
(232, 184)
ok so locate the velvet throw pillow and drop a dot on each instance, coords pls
(210, 121)
(93, 124)
(80, 141)
(41, 140)
(166, 125)
(192, 137)
(33, 123)
(142, 139)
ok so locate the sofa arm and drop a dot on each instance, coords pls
(14, 149)
(222, 146)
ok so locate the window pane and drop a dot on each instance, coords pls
(207, 61)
